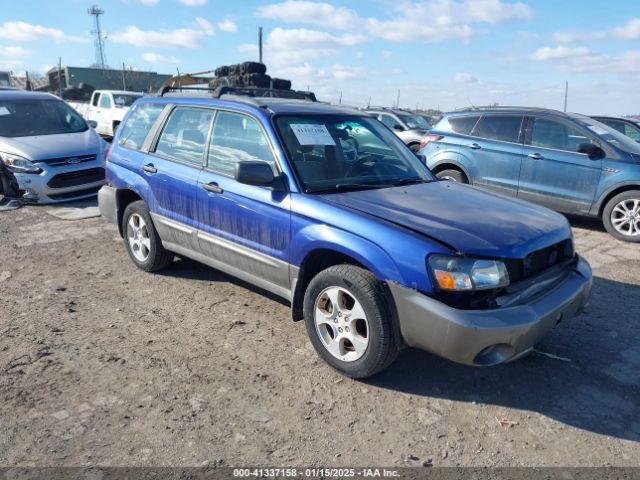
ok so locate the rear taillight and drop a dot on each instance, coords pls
(106, 157)
(429, 138)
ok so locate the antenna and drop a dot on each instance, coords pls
(101, 59)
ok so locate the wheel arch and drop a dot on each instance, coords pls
(609, 194)
(125, 197)
(451, 165)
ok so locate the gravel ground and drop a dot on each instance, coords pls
(102, 364)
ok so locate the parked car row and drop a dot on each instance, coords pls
(326, 207)
(570, 163)
(106, 108)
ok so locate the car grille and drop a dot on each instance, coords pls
(539, 261)
(57, 162)
(75, 193)
(79, 177)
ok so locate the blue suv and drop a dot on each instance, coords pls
(565, 161)
(372, 251)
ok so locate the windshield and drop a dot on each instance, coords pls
(124, 100)
(25, 118)
(414, 122)
(336, 153)
(612, 136)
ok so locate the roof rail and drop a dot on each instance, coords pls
(258, 92)
(507, 107)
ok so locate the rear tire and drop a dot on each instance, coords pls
(141, 239)
(621, 216)
(452, 174)
(349, 320)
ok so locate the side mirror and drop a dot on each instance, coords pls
(92, 123)
(254, 173)
(398, 127)
(589, 149)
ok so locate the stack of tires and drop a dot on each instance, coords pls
(247, 74)
(81, 93)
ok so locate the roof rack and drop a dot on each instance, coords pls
(507, 107)
(254, 92)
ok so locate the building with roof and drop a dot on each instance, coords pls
(105, 79)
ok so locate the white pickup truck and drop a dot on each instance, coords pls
(106, 108)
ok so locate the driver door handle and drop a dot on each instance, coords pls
(212, 187)
(535, 156)
(475, 146)
(149, 168)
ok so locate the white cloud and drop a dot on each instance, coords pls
(227, 26)
(181, 37)
(465, 78)
(311, 13)
(629, 31)
(148, 3)
(205, 25)
(13, 57)
(23, 31)
(568, 37)
(426, 20)
(157, 58)
(559, 52)
(193, 3)
(293, 46)
(386, 53)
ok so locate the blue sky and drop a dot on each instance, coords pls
(446, 53)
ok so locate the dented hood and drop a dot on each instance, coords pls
(469, 220)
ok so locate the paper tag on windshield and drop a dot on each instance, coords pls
(4, 111)
(309, 134)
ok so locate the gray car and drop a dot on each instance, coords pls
(51, 152)
(565, 161)
(409, 127)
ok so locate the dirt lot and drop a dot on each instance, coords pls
(103, 364)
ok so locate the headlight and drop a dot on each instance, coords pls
(460, 274)
(18, 164)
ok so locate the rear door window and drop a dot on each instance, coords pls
(236, 137)
(183, 137)
(505, 128)
(389, 121)
(463, 125)
(556, 135)
(137, 126)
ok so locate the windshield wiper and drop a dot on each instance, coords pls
(408, 181)
(347, 186)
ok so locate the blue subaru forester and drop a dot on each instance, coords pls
(372, 251)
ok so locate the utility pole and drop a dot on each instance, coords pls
(340, 101)
(566, 94)
(179, 79)
(101, 58)
(124, 82)
(260, 44)
(27, 85)
(398, 100)
(60, 77)
(369, 102)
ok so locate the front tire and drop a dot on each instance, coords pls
(621, 216)
(349, 321)
(141, 239)
(452, 174)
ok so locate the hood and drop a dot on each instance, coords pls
(43, 147)
(469, 220)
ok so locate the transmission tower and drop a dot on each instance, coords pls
(101, 57)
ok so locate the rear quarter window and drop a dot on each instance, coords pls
(137, 126)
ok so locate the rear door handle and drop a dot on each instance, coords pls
(212, 187)
(535, 156)
(149, 168)
(474, 146)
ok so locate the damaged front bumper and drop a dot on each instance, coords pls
(490, 337)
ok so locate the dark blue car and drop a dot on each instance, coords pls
(565, 161)
(372, 251)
